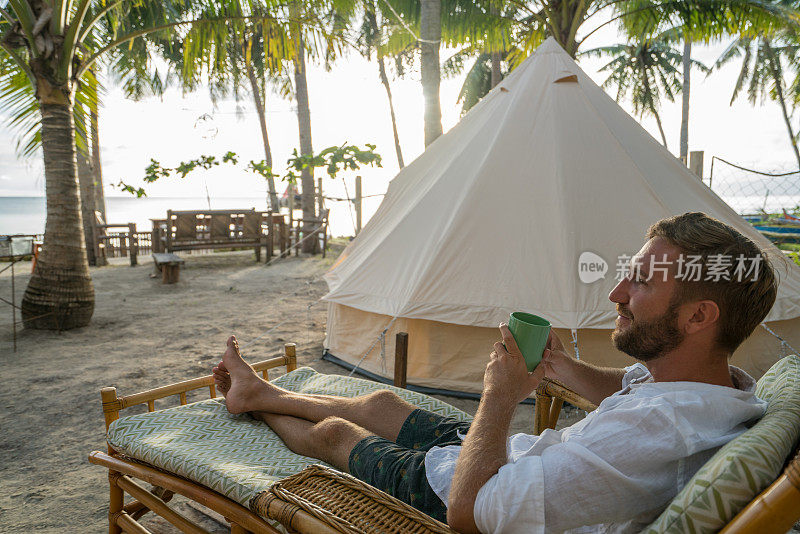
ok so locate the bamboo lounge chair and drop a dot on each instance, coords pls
(259, 486)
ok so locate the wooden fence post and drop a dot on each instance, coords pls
(696, 162)
(99, 251)
(291, 216)
(155, 238)
(270, 236)
(168, 241)
(400, 359)
(358, 205)
(133, 243)
(320, 200)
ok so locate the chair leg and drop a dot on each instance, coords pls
(555, 411)
(542, 413)
(115, 503)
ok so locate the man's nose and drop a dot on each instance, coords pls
(619, 294)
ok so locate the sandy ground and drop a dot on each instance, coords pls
(143, 334)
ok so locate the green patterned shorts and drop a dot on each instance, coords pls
(399, 468)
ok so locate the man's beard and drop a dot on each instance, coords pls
(647, 341)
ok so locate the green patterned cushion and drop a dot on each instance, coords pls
(234, 454)
(744, 467)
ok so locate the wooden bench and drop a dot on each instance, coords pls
(214, 229)
(170, 266)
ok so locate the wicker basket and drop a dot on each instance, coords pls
(346, 504)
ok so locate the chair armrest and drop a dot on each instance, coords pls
(775, 509)
(550, 397)
(343, 503)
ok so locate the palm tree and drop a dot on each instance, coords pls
(765, 62)
(519, 26)
(267, 52)
(645, 69)
(242, 54)
(97, 168)
(431, 23)
(257, 82)
(486, 72)
(372, 36)
(491, 52)
(430, 39)
(702, 20)
(303, 121)
(51, 43)
(17, 98)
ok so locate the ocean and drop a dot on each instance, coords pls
(26, 215)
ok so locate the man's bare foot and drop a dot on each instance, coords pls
(244, 391)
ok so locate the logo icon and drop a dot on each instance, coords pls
(591, 267)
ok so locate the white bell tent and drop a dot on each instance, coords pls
(493, 218)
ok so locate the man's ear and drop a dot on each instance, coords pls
(706, 315)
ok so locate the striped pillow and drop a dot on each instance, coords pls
(744, 467)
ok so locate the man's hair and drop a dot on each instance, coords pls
(743, 301)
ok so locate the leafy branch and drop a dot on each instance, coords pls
(335, 159)
(132, 190)
(155, 171)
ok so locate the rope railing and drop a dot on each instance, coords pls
(752, 191)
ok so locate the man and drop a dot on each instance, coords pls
(614, 471)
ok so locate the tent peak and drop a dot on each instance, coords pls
(550, 46)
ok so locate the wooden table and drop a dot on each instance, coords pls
(170, 265)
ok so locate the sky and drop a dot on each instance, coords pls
(348, 104)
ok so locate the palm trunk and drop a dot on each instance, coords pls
(97, 167)
(304, 126)
(385, 82)
(86, 185)
(778, 81)
(652, 109)
(373, 22)
(787, 120)
(661, 130)
(99, 197)
(262, 119)
(496, 75)
(495, 56)
(687, 70)
(430, 37)
(60, 294)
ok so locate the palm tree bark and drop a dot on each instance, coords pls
(495, 56)
(304, 127)
(97, 166)
(685, 91)
(373, 22)
(778, 84)
(661, 129)
(262, 119)
(385, 82)
(496, 75)
(86, 185)
(99, 198)
(430, 38)
(60, 294)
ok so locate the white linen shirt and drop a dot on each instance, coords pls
(616, 469)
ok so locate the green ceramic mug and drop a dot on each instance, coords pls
(531, 333)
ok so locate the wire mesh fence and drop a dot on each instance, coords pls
(756, 192)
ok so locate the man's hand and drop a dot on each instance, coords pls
(506, 375)
(506, 383)
(587, 380)
(556, 363)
